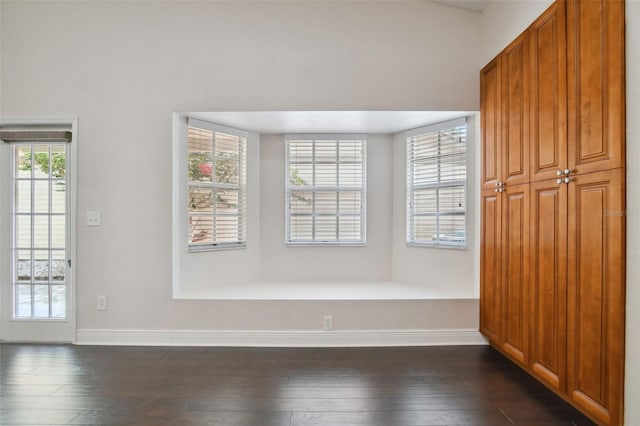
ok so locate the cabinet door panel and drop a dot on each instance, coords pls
(548, 94)
(548, 282)
(490, 123)
(515, 109)
(490, 267)
(595, 55)
(515, 268)
(596, 294)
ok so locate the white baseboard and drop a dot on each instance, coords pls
(295, 338)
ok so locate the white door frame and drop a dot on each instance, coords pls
(38, 331)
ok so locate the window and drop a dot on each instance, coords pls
(216, 181)
(436, 185)
(325, 189)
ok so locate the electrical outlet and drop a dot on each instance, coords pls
(328, 322)
(93, 218)
(102, 303)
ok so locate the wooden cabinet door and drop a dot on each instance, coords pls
(490, 123)
(514, 144)
(515, 271)
(490, 266)
(548, 100)
(595, 59)
(596, 288)
(548, 282)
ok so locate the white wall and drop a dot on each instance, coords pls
(281, 263)
(503, 20)
(124, 67)
(632, 373)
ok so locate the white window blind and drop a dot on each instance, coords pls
(436, 185)
(217, 186)
(325, 189)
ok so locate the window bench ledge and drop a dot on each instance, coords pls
(310, 290)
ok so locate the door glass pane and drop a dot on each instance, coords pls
(23, 301)
(41, 196)
(23, 161)
(41, 301)
(23, 231)
(40, 230)
(58, 265)
(41, 265)
(58, 301)
(40, 161)
(58, 231)
(23, 196)
(58, 196)
(23, 267)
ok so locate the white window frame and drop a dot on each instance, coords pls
(241, 242)
(410, 135)
(362, 189)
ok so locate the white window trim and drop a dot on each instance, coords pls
(182, 195)
(363, 190)
(409, 187)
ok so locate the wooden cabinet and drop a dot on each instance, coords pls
(595, 327)
(595, 60)
(504, 86)
(491, 267)
(490, 123)
(515, 271)
(548, 282)
(505, 269)
(548, 96)
(552, 214)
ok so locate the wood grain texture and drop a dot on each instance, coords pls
(490, 267)
(595, 70)
(515, 268)
(490, 117)
(515, 81)
(549, 282)
(548, 97)
(596, 294)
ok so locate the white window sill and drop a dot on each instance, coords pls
(367, 290)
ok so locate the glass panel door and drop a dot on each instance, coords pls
(39, 225)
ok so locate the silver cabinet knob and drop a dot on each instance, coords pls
(567, 171)
(559, 173)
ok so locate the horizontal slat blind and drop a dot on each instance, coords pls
(325, 190)
(436, 186)
(217, 195)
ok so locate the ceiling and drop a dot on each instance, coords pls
(472, 5)
(327, 121)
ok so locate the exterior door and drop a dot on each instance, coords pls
(36, 291)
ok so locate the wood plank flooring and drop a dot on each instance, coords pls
(89, 385)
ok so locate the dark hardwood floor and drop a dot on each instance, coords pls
(460, 385)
